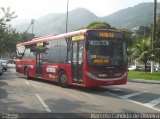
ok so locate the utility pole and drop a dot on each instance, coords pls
(32, 24)
(26, 36)
(67, 17)
(154, 32)
(144, 31)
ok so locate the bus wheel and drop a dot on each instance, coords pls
(62, 79)
(26, 73)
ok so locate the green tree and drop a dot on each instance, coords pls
(8, 36)
(128, 37)
(144, 31)
(98, 25)
(26, 36)
(7, 15)
(142, 52)
(140, 33)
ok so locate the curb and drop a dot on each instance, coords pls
(144, 81)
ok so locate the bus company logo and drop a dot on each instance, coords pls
(106, 34)
(51, 69)
(31, 66)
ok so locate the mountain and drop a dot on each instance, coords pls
(56, 23)
(139, 15)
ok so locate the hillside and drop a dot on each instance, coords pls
(139, 15)
(56, 23)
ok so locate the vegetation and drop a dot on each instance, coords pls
(142, 52)
(26, 36)
(8, 35)
(144, 75)
(140, 47)
(98, 25)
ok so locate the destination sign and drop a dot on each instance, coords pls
(105, 34)
(101, 61)
(80, 37)
(39, 44)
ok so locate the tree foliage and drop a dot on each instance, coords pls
(138, 38)
(8, 36)
(26, 36)
(144, 31)
(142, 51)
(98, 25)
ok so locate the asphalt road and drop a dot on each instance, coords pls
(18, 95)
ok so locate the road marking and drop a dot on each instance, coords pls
(43, 103)
(27, 82)
(142, 104)
(131, 95)
(116, 89)
(153, 102)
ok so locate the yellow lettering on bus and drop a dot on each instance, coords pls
(106, 34)
(106, 61)
(39, 44)
(97, 61)
(81, 37)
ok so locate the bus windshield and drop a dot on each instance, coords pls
(20, 51)
(106, 52)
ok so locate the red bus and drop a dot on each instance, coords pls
(84, 58)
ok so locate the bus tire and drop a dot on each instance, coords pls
(62, 79)
(26, 76)
(5, 69)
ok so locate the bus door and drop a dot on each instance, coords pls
(39, 62)
(77, 61)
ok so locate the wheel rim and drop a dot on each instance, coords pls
(63, 79)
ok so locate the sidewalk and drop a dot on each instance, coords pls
(144, 81)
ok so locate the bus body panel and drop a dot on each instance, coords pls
(29, 63)
(50, 71)
(94, 83)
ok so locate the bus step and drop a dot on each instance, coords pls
(78, 81)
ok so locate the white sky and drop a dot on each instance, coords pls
(33, 9)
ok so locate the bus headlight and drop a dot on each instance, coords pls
(102, 75)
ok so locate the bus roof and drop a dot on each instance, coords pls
(57, 36)
(52, 37)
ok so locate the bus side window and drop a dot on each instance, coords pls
(47, 51)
